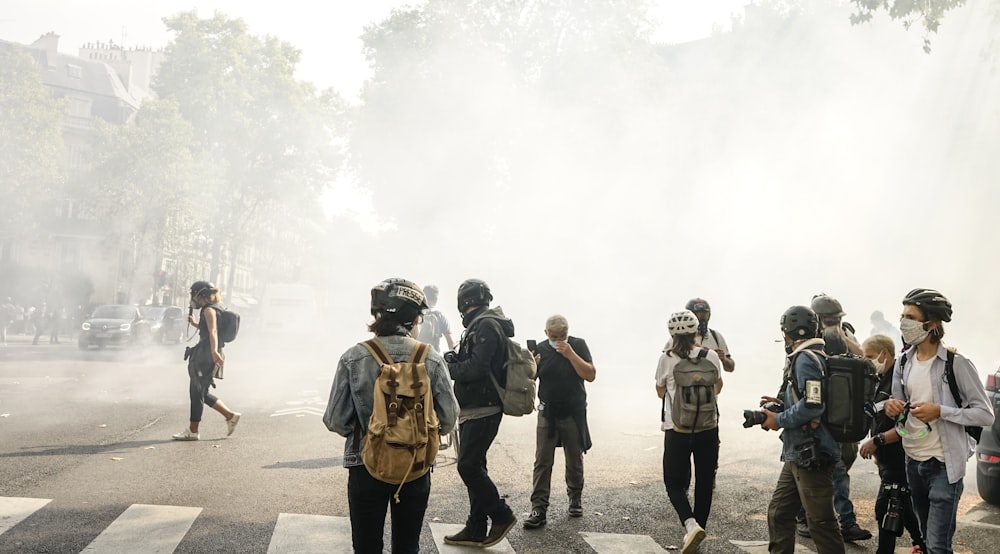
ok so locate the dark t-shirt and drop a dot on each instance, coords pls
(558, 382)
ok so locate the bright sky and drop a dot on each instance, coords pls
(326, 33)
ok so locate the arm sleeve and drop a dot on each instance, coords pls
(806, 368)
(445, 403)
(977, 410)
(582, 350)
(340, 414)
(483, 346)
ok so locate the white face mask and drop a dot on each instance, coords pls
(913, 331)
(553, 343)
(879, 364)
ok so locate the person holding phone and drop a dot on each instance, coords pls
(564, 363)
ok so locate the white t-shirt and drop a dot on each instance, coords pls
(920, 389)
(665, 379)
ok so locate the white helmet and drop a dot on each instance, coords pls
(683, 323)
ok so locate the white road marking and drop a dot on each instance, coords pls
(13, 510)
(303, 410)
(306, 534)
(159, 529)
(973, 518)
(439, 530)
(614, 543)
(760, 547)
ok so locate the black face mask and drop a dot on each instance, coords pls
(702, 327)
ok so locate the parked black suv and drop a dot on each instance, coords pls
(166, 323)
(988, 451)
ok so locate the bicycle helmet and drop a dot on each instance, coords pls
(698, 305)
(800, 322)
(398, 296)
(932, 303)
(203, 288)
(473, 292)
(683, 323)
(825, 305)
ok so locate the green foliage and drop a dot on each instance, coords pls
(928, 13)
(265, 139)
(31, 145)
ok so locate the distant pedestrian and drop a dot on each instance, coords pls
(7, 314)
(56, 317)
(435, 325)
(40, 320)
(204, 359)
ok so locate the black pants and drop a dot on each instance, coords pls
(892, 470)
(476, 436)
(678, 449)
(367, 498)
(200, 391)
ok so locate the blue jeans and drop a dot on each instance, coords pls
(936, 502)
(476, 436)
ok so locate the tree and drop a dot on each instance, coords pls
(269, 139)
(927, 13)
(143, 181)
(31, 144)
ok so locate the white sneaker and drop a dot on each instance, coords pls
(231, 423)
(186, 435)
(692, 539)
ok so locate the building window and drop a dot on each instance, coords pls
(74, 71)
(69, 256)
(78, 107)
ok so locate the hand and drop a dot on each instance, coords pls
(564, 348)
(766, 399)
(770, 423)
(218, 357)
(451, 357)
(867, 449)
(192, 321)
(538, 358)
(925, 411)
(894, 407)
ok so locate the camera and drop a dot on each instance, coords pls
(756, 417)
(892, 521)
(806, 455)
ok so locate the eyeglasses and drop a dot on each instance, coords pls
(901, 425)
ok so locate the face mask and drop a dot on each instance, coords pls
(913, 331)
(879, 365)
(702, 328)
(553, 343)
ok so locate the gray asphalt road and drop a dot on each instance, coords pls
(90, 432)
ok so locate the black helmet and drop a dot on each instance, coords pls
(825, 305)
(473, 292)
(931, 302)
(398, 296)
(698, 305)
(800, 322)
(203, 288)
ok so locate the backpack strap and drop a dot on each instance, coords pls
(702, 353)
(949, 373)
(377, 351)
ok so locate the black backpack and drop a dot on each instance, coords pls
(949, 374)
(227, 323)
(849, 383)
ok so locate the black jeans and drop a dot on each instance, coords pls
(476, 436)
(200, 391)
(367, 498)
(678, 449)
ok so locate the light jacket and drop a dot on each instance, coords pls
(978, 412)
(351, 401)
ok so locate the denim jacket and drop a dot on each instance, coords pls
(978, 411)
(798, 414)
(351, 403)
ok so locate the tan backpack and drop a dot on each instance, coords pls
(403, 432)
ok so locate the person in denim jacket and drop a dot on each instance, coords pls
(931, 422)
(809, 450)
(396, 305)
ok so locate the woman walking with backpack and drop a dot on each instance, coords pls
(203, 359)
(690, 423)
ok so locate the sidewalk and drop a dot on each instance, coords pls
(43, 340)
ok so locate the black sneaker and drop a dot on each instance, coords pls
(575, 508)
(464, 538)
(535, 520)
(855, 533)
(498, 531)
(803, 530)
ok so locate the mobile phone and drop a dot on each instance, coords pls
(532, 345)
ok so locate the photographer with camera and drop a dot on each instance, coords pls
(893, 509)
(809, 451)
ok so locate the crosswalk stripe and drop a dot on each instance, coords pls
(13, 510)
(159, 529)
(306, 534)
(439, 530)
(760, 547)
(614, 543)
